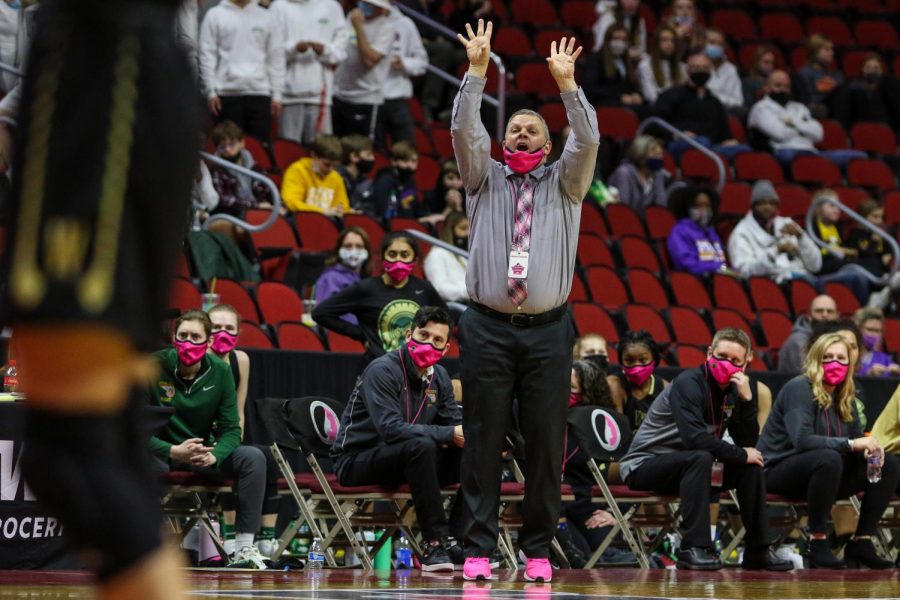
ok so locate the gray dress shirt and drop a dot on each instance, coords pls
(491, 202)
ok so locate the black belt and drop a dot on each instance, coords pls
(521, 319)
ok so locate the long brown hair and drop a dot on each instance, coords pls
(609, 65)
(657, 59)
(812, 369)
(334, 258)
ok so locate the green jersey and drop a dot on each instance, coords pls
(202, 404)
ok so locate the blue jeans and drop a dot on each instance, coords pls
(677, 147)
(851, 277)
(839, 157)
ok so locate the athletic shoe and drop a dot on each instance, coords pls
(538, 569)
(789, 552)
(230, 546)
(248, 557)
(477, 569)
(266, 547)
(435, 558)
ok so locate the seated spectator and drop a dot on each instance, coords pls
(874, 97)
(837, 259)
(753, 84)
(313, 185)
(788, 126)
(385, 305)
(395, 193)
(447, 271)
(204, 198)
(691, 35)
(680, 450)
(357, 160)
(662, 69)
(188, 441)
(636, 387)
(874, 361)
(626, 13)
(813, 447)
(402, 425)
(591, 346)
(237, 192)
(764, 243)
(448, 194)
(887, 426)
(818, 78)
(640, 178)
(724, 81)
(696, 111)
(694, 245)
(872, 253)
(793, 351)
(610, 75)
(348, 263)
(408, 59)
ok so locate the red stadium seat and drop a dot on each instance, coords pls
(640, 316)
(728, 291)
(891, 334)
(737, 129)
(659, 222)
(852, 62)
(534, 12)
(341, 343)
(511, 41)
(734, 23)
(535, 78)
(871, 174)
(443, 143)
(815, 170)
(280, 234)
(287, 152)
(794, 200)
(688, 290)
(776, 327)
(258, 152)
(580, 14)
(254, 337)
(637, 253)
(767, 295)
(833, 28)
(617, 123)
(851, 196)
(646, 288)
(372, 228)
(554, 114)
(578, 292)
(747, 54)
(834, 136)
(278, 302)
(734, 198)
(697, 165)
(606, 287)
(590, 318)
(236, 295)
(725, 317)
(802, 295)
(689, 357)
(751, 166)
(592, 220)
(783, 27)
(846, 300)
(317, 232)
(876, 33)
(891, 202)
(689, 327)
(593, 251)
(423, 144)
(297, 336)
(546, 37)
(427, 173)
(874, 137)
(183, 295)
(623, 220)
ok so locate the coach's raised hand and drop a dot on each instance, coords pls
(478, 47)
(562, 64)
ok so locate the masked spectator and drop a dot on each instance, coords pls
(662, 69)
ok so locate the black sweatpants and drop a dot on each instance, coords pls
(533, 364)
(686, 474)
(253, 114)
(395, 121)
(350, 118)
(823, 475)
(419, 462)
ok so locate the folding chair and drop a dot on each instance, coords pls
(190, 498)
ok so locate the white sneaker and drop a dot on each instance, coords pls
(789, 552)
(248, 557)
(266, 547)
(230, 546)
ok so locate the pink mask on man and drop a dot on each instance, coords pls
(574, 399)
(638, 374)
(521, 161)
(423, 354)
(223, 342)
(398, 270)
(834, 372)
(189, 353)
(721, 370)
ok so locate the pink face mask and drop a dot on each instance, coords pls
(721, 370)
(398, 270)
(423, 354)
(834, 372)
(638, 374)
(574, 399)
(223, 342)
(189, 353)
(521, 161)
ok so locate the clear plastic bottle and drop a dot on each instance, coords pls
(10, 378)
(403, 554)
(873, 464)
(315, 559)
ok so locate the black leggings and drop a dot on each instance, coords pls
(823, 475)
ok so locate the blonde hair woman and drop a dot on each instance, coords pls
(813, 449)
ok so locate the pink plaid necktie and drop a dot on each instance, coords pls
(517, 288)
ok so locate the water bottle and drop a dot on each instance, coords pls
(10, 378)
(403, 554)
(315, 559)
(873, 466)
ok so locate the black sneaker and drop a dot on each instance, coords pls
(435, 558)
(455, 551)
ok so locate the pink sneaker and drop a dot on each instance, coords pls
(477, 569)
(538, 569)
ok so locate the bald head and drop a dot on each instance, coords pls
(779, 81)
(823, 308)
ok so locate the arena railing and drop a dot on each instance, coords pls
(500, 101)
(456, 307)
(720, 166)
(860, 220)
(273, 189)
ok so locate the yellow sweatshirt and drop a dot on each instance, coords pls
(303, 190)
(887, 427)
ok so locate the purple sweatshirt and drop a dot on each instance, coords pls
(694, 248)
(332, 280)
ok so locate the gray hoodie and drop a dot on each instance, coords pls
(790, 358)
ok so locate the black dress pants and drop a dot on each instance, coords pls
(823, 475)
(348, 118)
(533, 364)
(686, 474)
(253, 114)
(418, 462)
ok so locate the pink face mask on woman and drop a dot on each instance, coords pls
(574, 399)
(189, 353)
(834, 372)
(721, 369)
(521, 161)
(638, 374)
(223, 342)
(423, 354)
(398, 270)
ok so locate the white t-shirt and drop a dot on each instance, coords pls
(354, 82)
